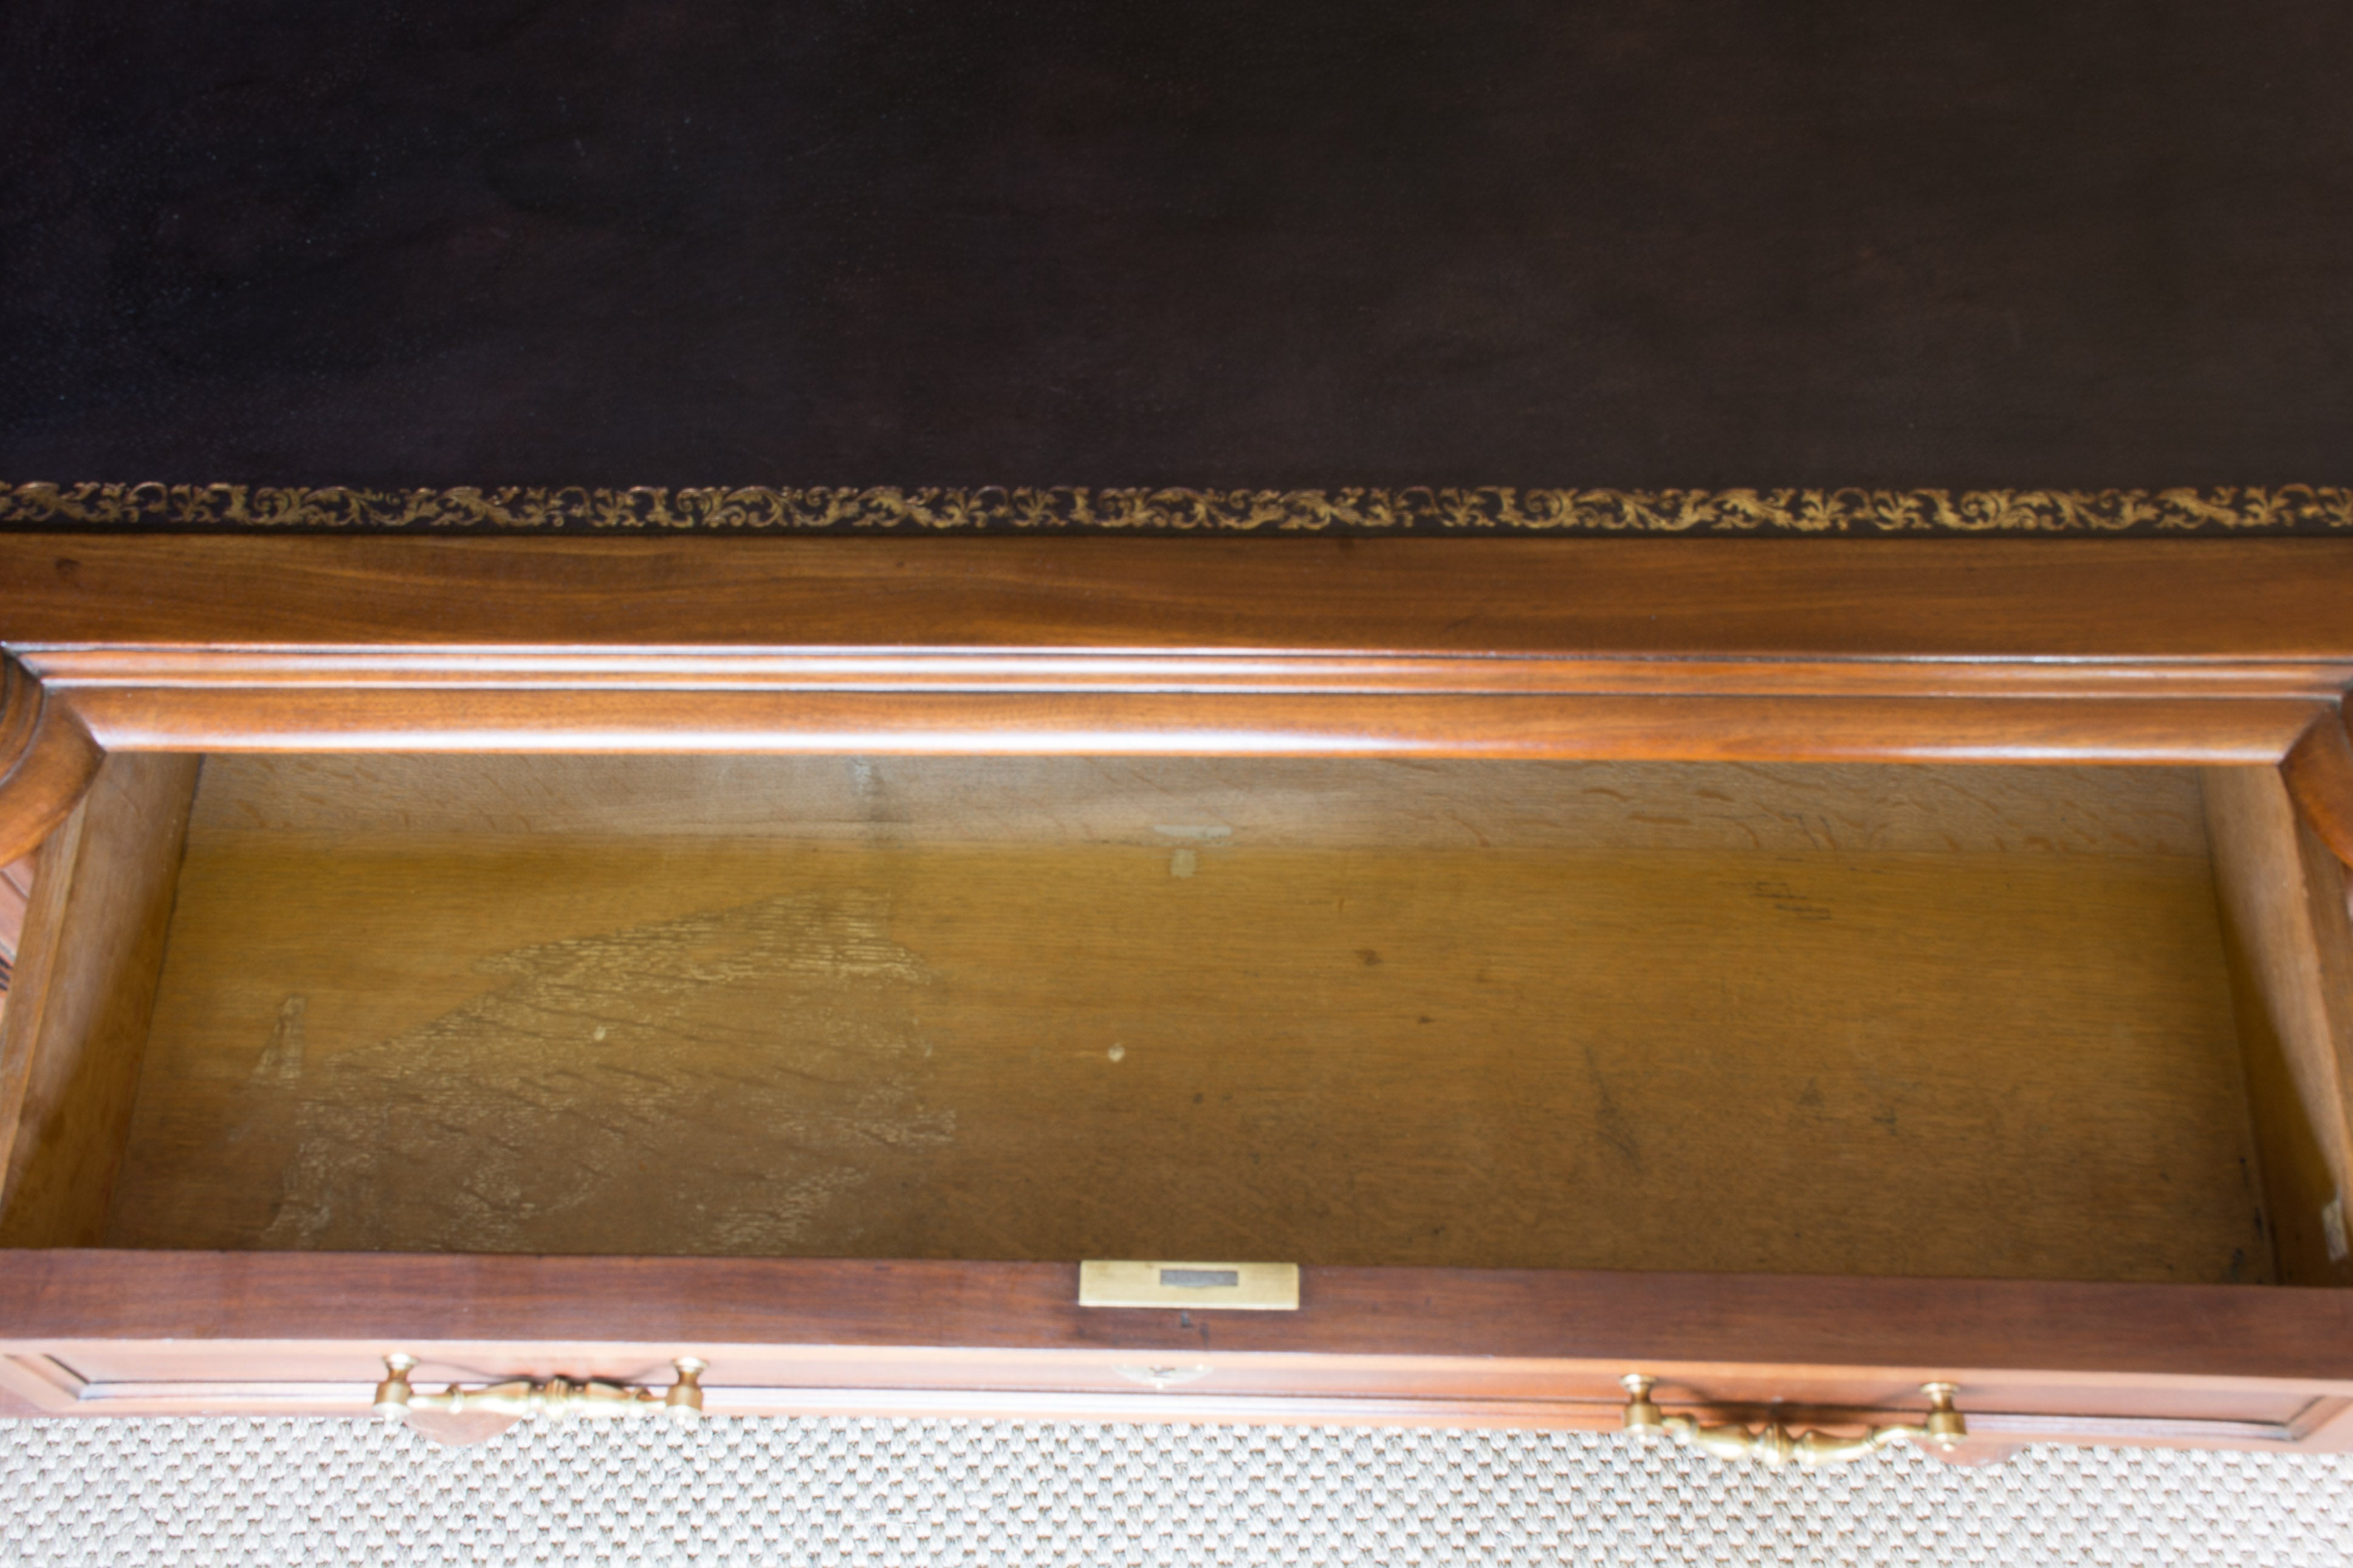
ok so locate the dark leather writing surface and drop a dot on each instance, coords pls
(614, 242)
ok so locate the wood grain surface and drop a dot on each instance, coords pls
(1876, 1020)
(47, 759)
(15, 895)
(1360, 802)
(2291, 950)
(75, 1033)
(2218, 600)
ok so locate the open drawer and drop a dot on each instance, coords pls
(1418, 1077)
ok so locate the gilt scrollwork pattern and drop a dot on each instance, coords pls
(167, 507)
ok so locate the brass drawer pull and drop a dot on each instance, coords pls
(1775, 1443)
(557, 1399)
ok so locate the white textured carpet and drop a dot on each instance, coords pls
(130, 1493)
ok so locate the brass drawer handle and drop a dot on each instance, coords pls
(1775, 1443)
(557, 1399)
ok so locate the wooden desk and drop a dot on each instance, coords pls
(1795, 971)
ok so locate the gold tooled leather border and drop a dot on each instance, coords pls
(165, 507)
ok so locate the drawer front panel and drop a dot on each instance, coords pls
(95, 1332)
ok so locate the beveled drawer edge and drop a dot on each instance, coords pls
(60, 1391)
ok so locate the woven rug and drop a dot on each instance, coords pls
(132, 1493)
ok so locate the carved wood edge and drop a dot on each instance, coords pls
(2319, 772)
(47, 760)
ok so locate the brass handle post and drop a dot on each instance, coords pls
(1775, 1443)
(684, 1400)
(556, 1398)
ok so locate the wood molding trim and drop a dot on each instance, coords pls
(2125, 651)
(2319, 772)
(47, 760)
(1894, 1325)
(2119, 650)
(562, 719)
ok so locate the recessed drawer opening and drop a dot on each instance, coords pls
(1893, 1020)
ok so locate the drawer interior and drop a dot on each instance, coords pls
(1895, 1020)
